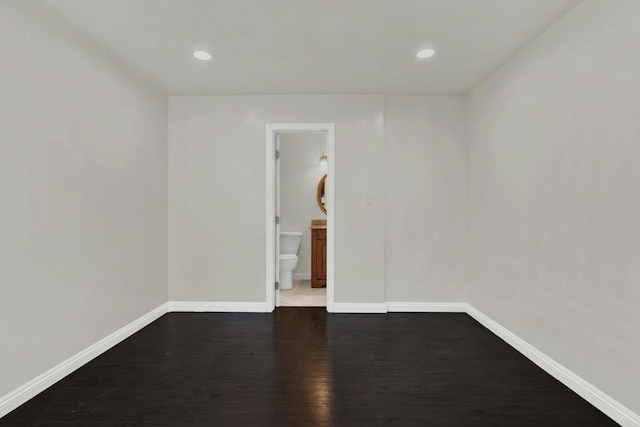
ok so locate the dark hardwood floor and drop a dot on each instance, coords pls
(304, 367)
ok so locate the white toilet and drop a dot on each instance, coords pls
(289, 248)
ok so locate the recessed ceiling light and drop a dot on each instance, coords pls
(202, 55)
(425, 53)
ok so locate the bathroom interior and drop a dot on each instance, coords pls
(303, 220)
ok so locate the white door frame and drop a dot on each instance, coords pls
(328, 129)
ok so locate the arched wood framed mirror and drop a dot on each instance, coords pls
(321, 195)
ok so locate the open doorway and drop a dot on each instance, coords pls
(316, 238)
(303, 221)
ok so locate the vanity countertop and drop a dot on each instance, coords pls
(318, 224)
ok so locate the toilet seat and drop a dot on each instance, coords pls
(288, 257)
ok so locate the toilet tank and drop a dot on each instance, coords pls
(290, 242)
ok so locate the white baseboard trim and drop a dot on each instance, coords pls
(217, 307)
(301, 276)
(615, 410)
(348, 307)
(427, 307)
(618, 412)
(22, 394)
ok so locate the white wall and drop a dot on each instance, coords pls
(555, 194)
(83, 203)
(300, 172)
(217, 193)
(425, 197)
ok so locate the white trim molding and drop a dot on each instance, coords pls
(301, 276)
(217, 307)
(348, 307)
(273, 129)
(22, 394)
(427, 307)
(605, 403)
(615, 410)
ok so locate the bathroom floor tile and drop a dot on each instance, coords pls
(303, 295)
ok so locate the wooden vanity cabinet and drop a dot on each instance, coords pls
(318, 257)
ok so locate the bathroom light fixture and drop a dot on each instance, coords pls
(323, 160)
(202, 55)
(425, 53)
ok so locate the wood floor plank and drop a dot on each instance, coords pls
(304, 367)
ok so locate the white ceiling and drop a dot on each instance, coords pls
(312, 46)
